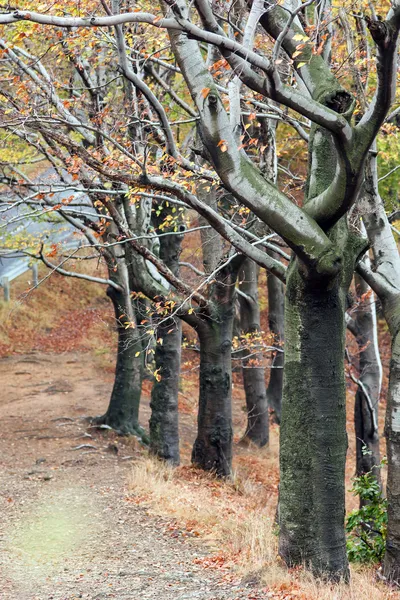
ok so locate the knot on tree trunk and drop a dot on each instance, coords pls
(379, 31)
(340, 101)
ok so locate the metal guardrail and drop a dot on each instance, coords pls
(25, 264)
(19, 269)
(19, 265)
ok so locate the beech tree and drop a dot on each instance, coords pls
(325, 248)
(384, 279)
(363, 325)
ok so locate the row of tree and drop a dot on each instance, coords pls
(148, 117)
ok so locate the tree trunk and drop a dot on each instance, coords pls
(123, 411)
(370, 376)
(276, 304)
(164, 421)
(313, 428)
(391, 563)
(212, 450)
(257, 430)
(385, 280)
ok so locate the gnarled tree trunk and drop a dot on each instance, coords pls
(212, 450)
(164, 420)
(123, 410)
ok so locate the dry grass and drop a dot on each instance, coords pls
(32, 314)
(236, 520)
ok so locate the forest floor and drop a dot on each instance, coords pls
(85, 514)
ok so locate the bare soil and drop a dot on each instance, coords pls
(68, 527)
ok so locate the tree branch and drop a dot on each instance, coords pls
(385, 35)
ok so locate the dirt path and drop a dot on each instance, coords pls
(67, 527)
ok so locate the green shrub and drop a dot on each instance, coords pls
(366, 526)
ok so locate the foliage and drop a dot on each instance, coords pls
(389, 146)
(366, 526)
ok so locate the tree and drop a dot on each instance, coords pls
(313, 437)
(363, 325)
(385, 281)
(257, 430)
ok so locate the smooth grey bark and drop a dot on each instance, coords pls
(253, 371)
(164, 421)
(313, 427)
(370, 378)
(385, 281)
(276, 305)
(212, 450)
(211, 241)
(391, 563)
(318, 540)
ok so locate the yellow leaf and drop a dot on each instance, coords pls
(300, 36)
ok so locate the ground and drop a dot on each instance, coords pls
(68, 528)
(85, 514)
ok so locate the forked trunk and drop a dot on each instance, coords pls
(313, 428)
(391, 563)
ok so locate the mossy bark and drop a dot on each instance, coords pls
(123, 410)
(253, 371)
(391, 563)
(313, 427)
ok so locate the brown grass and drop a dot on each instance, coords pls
(235, 519)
